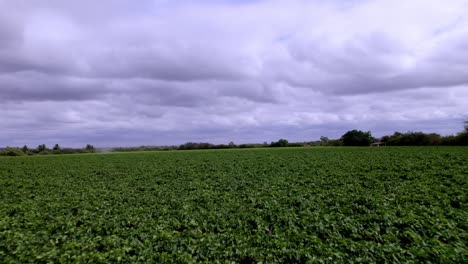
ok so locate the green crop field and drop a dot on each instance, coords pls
(317, 205)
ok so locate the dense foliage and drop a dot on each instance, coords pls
(357, 138)
(11, 151)
(43, 150)
(188, 146)
(323, 205)
(424, 139)
(279, 144)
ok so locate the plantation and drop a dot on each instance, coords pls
(295, 205)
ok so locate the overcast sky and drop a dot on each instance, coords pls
(155, 72)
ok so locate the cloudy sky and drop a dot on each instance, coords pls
(155, 72)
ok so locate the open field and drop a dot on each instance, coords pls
(325, 205)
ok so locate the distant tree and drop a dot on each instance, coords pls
(90, 148)
(25, 149)
(413, 139)
(335, 142)
(193, 145)
(283, 143)
(357, 138)
(434, 138)
(324, 141)
(42, 149)
(462, 138)
(232, 145)
(11, 151)
(279, 143)
(423, 139)
(56, 149)
(448, 140)
(385, 139)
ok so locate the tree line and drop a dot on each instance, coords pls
(188, 146)
(360, 138)
(44, 150)
(350, 138)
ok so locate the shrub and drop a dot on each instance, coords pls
(357, 138)
(9, 151)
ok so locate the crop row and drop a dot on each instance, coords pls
(320, 205)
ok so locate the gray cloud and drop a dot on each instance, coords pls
(34, 86)
(165, 72)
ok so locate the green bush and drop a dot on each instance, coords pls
(357, 138)
(280, 143)
(9, 151)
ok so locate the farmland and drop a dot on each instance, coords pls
(319, 205)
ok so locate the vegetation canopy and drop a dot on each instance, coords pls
(288, 205)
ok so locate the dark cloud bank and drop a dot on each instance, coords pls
(119, 73)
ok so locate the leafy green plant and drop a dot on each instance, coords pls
(284, 205)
